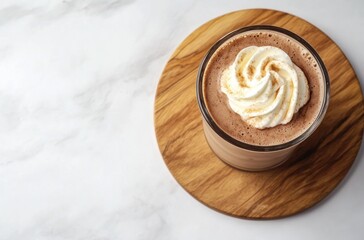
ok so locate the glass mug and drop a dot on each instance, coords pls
(247, 156)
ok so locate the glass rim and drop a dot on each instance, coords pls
(208, 118)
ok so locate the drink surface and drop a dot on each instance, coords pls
(229, 121)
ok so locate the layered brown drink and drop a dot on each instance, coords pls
(262, 90)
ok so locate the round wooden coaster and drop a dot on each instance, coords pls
(319, 166)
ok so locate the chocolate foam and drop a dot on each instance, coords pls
(229, 121)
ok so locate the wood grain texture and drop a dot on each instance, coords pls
(318, 166)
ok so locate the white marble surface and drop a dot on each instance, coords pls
(78, 155)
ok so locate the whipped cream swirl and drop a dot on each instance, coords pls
(264, 86)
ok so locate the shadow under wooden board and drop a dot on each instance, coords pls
(320, 165)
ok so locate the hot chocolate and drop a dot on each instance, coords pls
(232, 123)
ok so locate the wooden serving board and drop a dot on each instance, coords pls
(323, 161)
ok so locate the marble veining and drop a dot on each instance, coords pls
(78, 155)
